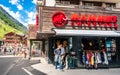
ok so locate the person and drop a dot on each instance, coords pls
(0, 48)
(65, 60)
(59, 54)
(5, 50)
(25, 53)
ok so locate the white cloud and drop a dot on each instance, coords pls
(19, 7)
(16, 15)
(34, 1)
(31, 17)
(14, 2)
(31, 14)
(24, 23)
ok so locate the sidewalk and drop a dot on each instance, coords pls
(46, 68)
(49, 69)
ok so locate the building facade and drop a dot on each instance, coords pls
(14, 39)
(83, 26)
(34, 42)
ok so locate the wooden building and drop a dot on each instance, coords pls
(92, 23)
(13, 37)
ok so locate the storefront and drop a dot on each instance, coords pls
(84, 31)
(35, 44)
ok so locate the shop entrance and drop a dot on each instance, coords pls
(54, 42)
(105, 47)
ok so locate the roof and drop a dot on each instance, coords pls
(13, 33)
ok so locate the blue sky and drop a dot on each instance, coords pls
(22, 10)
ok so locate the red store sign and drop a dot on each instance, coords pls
(59, 19)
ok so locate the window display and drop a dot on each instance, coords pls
(111, 49)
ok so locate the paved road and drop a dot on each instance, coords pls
(7, 63)
(10, 65)
(17, 66)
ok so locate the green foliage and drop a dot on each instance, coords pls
(11, 23)
(5, 28)
(8, 24)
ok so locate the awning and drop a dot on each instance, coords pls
(102, 33)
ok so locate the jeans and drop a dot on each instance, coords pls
(60, 66)
(56, 63)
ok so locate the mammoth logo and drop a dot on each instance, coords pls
(59, 19)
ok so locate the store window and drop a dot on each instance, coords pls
(36, 48)
(111, 49)
(75, 2)
(88, 4)
(62, 2)
(97, 4)
(110, 5)
(93, 52)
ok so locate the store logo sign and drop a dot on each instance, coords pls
(59, 19)
(85, 20)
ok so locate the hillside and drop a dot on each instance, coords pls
(8, 24)
(5, 15)
(5, 28)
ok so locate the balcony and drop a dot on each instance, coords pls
(87, 7)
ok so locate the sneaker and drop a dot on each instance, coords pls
(61, 70)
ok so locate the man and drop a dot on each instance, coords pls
(59, 54)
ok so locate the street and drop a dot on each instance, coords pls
(6, 63)
(12, 65)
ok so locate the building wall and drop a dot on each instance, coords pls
(46, 17)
